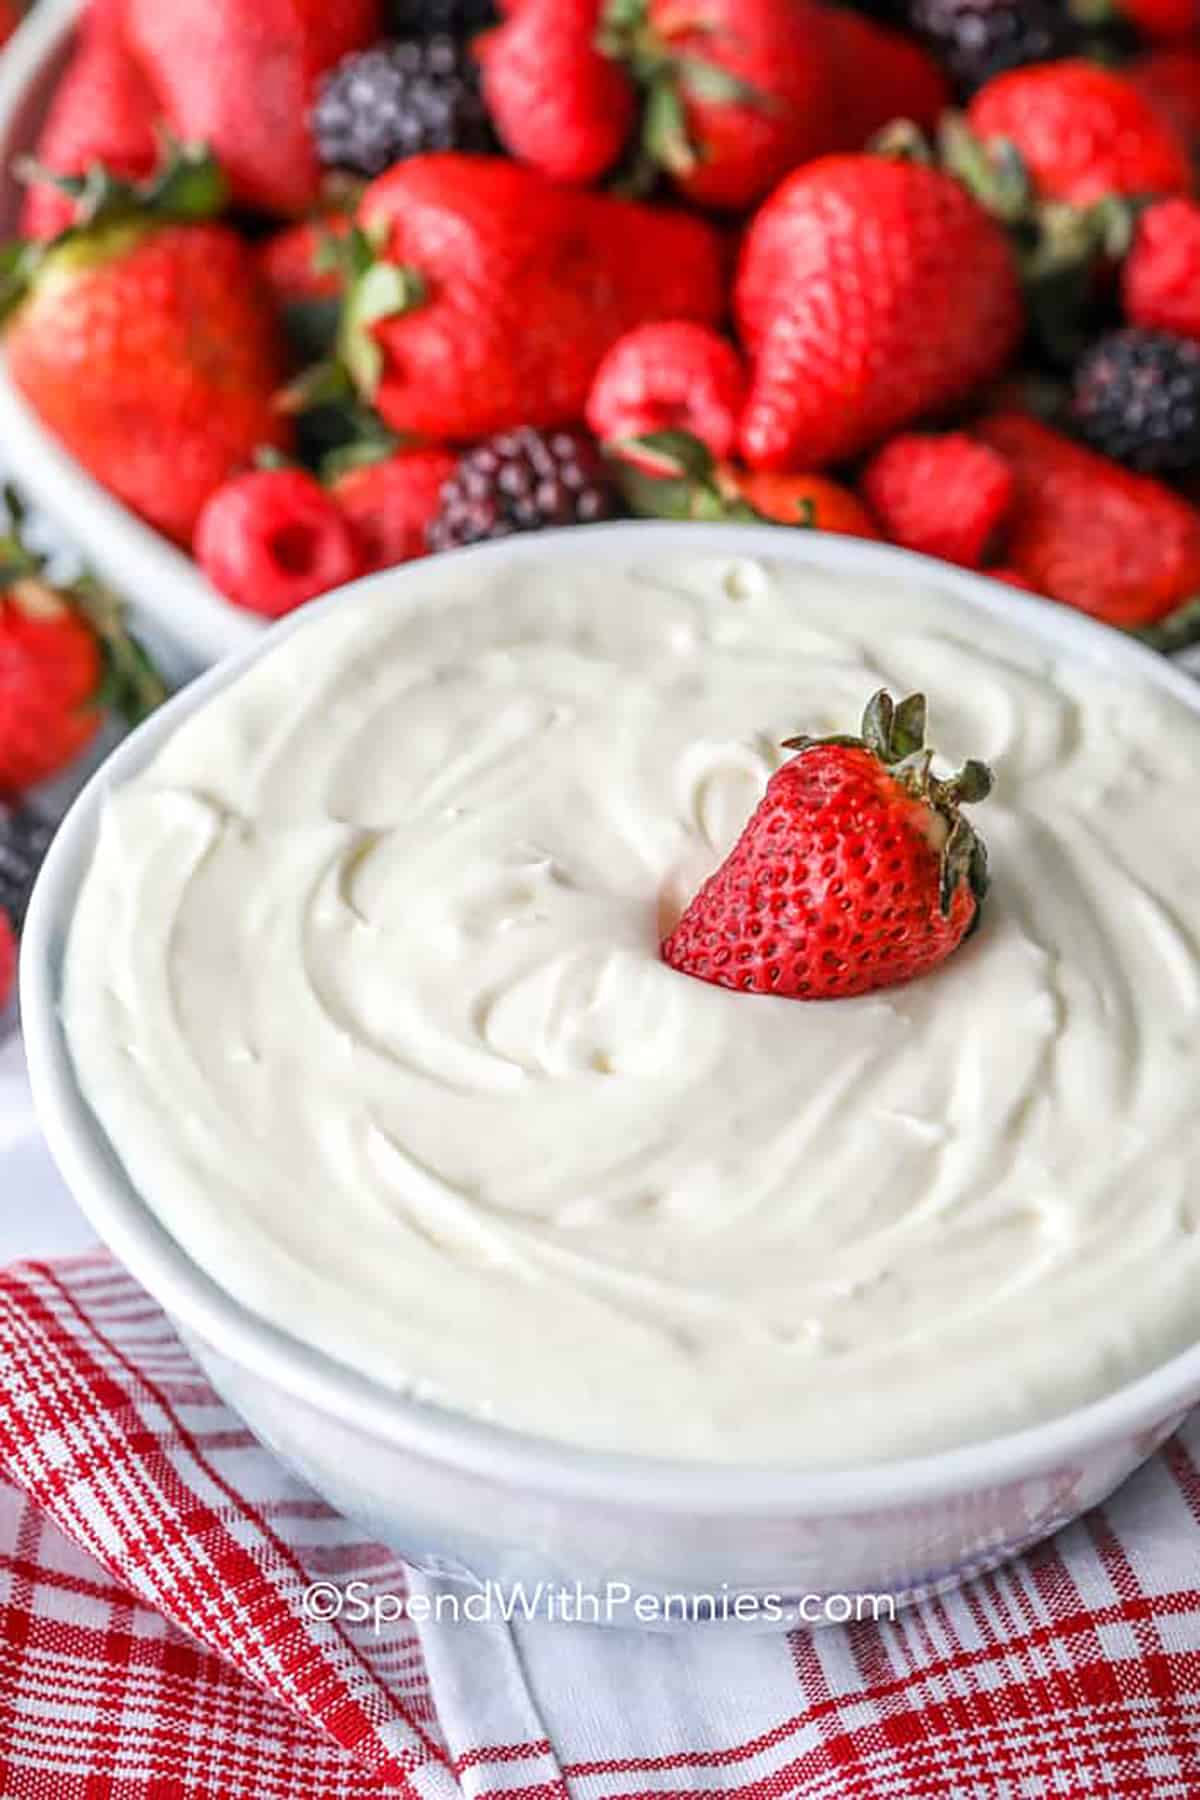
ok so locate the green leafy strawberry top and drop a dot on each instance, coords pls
(894, 733)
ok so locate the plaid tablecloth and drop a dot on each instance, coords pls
(154, 1643)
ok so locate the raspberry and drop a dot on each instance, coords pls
(674, 376)
(1160, 282)
(522, 480)
(391, 503)
(272, 539)
(24, 840)
(399, 99)
(976, 39)
(945, 496)
(1136, 398)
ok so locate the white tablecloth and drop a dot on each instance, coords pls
(37, 1215)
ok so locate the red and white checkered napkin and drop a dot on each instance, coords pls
(153, 1644)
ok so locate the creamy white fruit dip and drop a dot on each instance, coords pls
(364, 987)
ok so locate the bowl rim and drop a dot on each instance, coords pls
(197, 1302)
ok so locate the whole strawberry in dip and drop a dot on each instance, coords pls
(856, 871)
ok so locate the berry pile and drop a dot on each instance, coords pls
(431, 272)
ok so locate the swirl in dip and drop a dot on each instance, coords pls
(364, 987)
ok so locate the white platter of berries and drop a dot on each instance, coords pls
(306, 290)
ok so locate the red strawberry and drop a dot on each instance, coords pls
(390, 503)
(307, 281)
(903, 82)
(1170, 80)
(239, 76)
(675, 375)
(1089, 533)
(274, 538)
(739, 91)
(8, 961)
(1083, 132)
(294, 262)
(811, 500)
(945, 496)
(151, 349)
(65, 658)
(556, 101)
(673, 475)
(506, 290)
(1160, 279)
(856, 871)
(869, 292)
(102, 112)
(50, 677)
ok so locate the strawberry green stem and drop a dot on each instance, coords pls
(187, 187)
(668, 76)
(894, 733)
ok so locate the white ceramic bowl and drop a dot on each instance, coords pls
(164, 583)
(459, 1495)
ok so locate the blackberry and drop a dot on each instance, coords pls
(431, 18)
(24, 840)
(399, 99)
(522, 480)
(976, 39)
(1136, 398)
